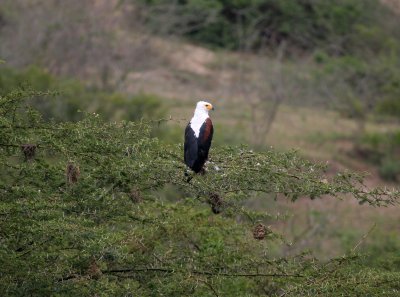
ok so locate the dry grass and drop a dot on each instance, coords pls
(393, 4)
(186, 73)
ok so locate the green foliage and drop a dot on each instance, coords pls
(348, 277)
(81, 215)
(338, 26)
(389, 169)
(385, 254)
(358, 87)
(389, 107)
(382, 149)
(73, 96)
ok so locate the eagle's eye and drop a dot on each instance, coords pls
(208, 106)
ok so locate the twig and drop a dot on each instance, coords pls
(200, 272)
(210, 287)
(363, 238)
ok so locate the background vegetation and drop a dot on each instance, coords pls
(306, 25)
(94, 97)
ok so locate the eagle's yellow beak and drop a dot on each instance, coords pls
(210, 107)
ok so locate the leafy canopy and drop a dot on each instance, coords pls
(83, 211)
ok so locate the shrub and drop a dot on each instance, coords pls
(389, 107)
(333, 25)
(358, 87)
(70, 96)
(389, 169)
(382, 149)
(81, 215)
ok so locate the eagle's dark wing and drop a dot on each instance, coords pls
(205, 138)
(190, 147)
(196, 149)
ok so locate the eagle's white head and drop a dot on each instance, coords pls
(200, 115)
(203, 107)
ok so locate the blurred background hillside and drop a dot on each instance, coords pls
(322, 77)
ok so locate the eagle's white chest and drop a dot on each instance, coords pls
(196, 122)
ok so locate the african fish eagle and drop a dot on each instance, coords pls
(198, 137)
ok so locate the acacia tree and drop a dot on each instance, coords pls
(84, 212)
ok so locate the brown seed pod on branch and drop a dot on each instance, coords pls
(259, 231)
(216, 202)
(94, 270)
(135, 195)
(29, 151)
(73, 172)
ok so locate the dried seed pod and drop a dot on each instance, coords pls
(135, 195)
(259, 231)
(216, 203)
(128, 151)
(94, 270)
(29, 151)
(72, 173)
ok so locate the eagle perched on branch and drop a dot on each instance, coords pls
(198, 137)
